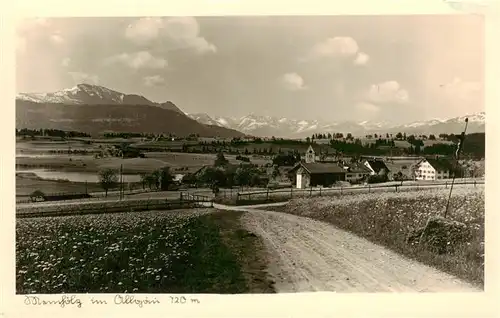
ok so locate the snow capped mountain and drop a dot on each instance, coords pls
(473, 118)
(423, 123)
(205, 119)
(87, 94)
(298, 128)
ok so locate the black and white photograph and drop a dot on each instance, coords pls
(250, 154)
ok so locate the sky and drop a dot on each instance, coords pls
(393, 69)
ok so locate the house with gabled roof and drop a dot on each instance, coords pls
(433, 169)
(377, 167)
(310, 173)
(356, 172)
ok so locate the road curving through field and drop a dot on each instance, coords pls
(309, 255)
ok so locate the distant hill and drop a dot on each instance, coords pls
(97, 118)
(87, 94)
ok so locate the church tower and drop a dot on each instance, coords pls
(310, 155)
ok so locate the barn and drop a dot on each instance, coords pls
(310, 173)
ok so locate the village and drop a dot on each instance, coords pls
(225, 155)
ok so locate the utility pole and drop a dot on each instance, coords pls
(457, 157)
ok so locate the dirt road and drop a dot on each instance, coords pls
(308, 255)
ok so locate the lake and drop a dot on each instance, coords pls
(75, 176)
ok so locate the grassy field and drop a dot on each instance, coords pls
(182, 251)
(153, 161)
(26, 185)
(388, 218)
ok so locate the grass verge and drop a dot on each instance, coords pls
(388, 218)
(182, 251)
(240, 202)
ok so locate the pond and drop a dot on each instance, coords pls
(75, 176)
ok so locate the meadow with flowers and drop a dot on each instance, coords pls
(388, 218)
(177, 251)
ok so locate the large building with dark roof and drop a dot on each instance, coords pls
(309, 173)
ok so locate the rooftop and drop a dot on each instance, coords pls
(319, 167)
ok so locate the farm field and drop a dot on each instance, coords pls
(25, 185)
(389, 218)
(178, 251)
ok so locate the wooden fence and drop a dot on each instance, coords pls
(285, 194)
(95, 207)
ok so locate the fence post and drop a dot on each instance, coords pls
(267, 195)
(340, 190)
(396, 188)
(320, 191)
(446, 185)
(311, 192)
(291, 192)
(474, 183)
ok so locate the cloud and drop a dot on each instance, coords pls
(56, 38)
(183, 32)
(387, 92)
(80, 77)
(138, 60)
(32, 24)
(144, 29)
(361, 59)
(462, 90)
(293, 81)
(65, 62)
(335, 47)
(38, 29)
(154, 80)
(338, 47)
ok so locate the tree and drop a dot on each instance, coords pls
(155, 177)
(166, 178)
(220, 160)
(108, 178)
(243, 176)
(432, 137)
(276, 172)
(399, 136)
(37, 195)
(144, 179)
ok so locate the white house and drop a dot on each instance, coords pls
(433, 169)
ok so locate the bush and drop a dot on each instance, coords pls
(378, 178)
(37, 195)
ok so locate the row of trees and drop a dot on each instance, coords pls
(398, 136)
(127, 135)
(50, 133)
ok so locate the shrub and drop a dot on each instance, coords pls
(37, 195)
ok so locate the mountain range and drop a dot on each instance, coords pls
(298, 128)
(94, 109)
